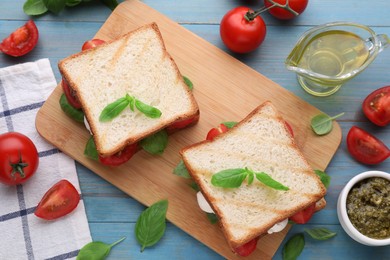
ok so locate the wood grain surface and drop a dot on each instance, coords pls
(226, 90)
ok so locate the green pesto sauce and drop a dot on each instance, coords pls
(368, 207)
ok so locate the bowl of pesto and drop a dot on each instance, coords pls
(363, 208)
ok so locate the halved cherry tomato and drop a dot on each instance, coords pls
(376, 106)
(247, 248)
(70, 95)
(240, 33)
(21, 41)
(365, 147)
(283, 13)
(92, 44)
(216, 131)
(289, 128)
(304, 216)
(58, 201)
(182, 124)
(18, 158)
(120, 157)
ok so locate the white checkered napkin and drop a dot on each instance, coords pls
(23, 90)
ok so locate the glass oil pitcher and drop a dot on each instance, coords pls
(328, 55)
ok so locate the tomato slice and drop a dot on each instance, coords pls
(291, 131)
(365, 147)
(216, 131)
(120, 157)
(92, 44)
(182, 124)
(21, 41)
(304, 216)
(376, 106)
(58, 201)
(248, 248)
(70, 95)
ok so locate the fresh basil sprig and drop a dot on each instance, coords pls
(156, 143)
(325, 178)
(322, 123)
(96, 250)
(188, 82)
(90, 150)
(293, 247)
(113, 109)
(181, 170)
(320, 233)
(233, 178)
(150, 226)
(230, 124)
(38, 7)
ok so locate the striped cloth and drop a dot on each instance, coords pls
(23, 90)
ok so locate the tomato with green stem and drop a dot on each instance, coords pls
(61, 199)
(18, 158)
(285, 9)
(242, 30)
(21, 41)
(376, 106)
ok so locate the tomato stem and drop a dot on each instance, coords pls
(251, 15)
(18, 167)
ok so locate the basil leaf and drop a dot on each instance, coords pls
(75, 114)
(34, 7)
(293, 247)
(230, 124)
(212, 218)
(322, 124)
(325, 178)
(231, 178)
(147, 110)
(188, 83)
(267, 180)
(156, 143)
(54, 6)
(150, 226)
(96, 250)
(110, 3)
(113, 110)
(71, 3)
(320, 233)
(90, 150)
(251, 176)
(195, 186)
(181, 170)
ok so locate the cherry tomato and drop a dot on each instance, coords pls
(216, 131)
(282, 12)
(365, 147)
(92, 44)
(247, 249)
(182, 124)
(18, 158)
(58, 201)
(304, 216)
(290, 130)
(70, 95)
(21, 41)
(376, 106)
(120, 157)
(240, 33)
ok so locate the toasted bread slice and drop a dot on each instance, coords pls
(262, 143)
(136, 64)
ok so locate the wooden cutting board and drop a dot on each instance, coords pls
(226, 90)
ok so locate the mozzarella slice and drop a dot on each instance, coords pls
(87, 125)
(203, 204)
(278, 226)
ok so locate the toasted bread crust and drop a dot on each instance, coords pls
(226, 227)
(104, 150)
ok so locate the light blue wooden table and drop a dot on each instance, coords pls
(112, 214)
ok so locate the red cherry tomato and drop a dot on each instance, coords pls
(365, 147)
(282, 12)
(92, 44)
(247, 248)
(120, 157)
(58, 201)
(216, 131)
(70, 95)
(304, 216)
(18, 158)
(21, 41)
(376, 106)
(182, 124)
(241, 34)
